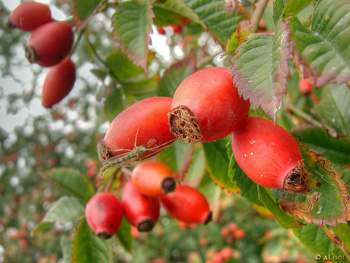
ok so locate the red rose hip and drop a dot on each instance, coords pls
(143, 125)
(50, 43)
(187, 204)
(206, 106)
(59, 81)
(140, 210)
(305, 85)
(29, 15)
(153, 178)
(269, 155)
(103, 214)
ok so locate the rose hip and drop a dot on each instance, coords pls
(269, 155)
(187, 204)
(141, 211)
(143, 124)
(153, 178)
(206, 107)
(59, 81)
(29, 16)
(50, 43)
(103, 214)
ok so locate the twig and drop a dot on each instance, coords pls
(302, 114)
(257, 14)
(332, 132)
(216, 206)
(97, 56)
(80, 34)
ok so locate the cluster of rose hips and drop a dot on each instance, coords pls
(152, 184)
(232, 232)
(206, 107)
(221, 256)
(49, 46)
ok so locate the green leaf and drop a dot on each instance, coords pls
(114, 104)
(342, 235)
(132, 26)
(72, 181)
(337, 150)
(218, 163)
(87, 247)
(334, 109)
(220, 21)
(327, 203)
(323, 52)
(294, 6)
(121, 68)
(141, 87)
(284, 8)
(175, 156)
(66, 209)
(172, 12)
(209, 189)
(284, 219)
(317, 241)
(66, 246)
(197, 166)
(82, 10)
(248, 189)
(174, 75)
(260, 68)
(124, 236)
(278, 6)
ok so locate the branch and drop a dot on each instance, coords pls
(259, 10)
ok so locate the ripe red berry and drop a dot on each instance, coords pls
(238, 234)
(103, 214)
(269, 155)
(177, 29)
(187, 204)
(206, 106)
(141, 211)
(305, 85)
(143, 124)
(161, 30)
(217, 258)
(50, 43)
(59, 81)
(153, 178)
(226, 253)
(29, 15)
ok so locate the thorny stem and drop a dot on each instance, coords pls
(257, 14)
(308, 118)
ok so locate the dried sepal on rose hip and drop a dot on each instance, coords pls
(50, 43)
(58, 82)
(187, 204)
(138, 132)
(29, 16)
(103, 214)
(269, 155)
(140, 210)
(206, 107)
(153, 178)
